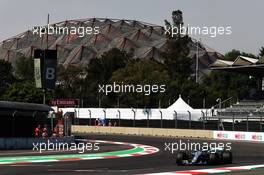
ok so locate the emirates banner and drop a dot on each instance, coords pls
(237, 135)
(64, 102)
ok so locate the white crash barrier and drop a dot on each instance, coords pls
(237, 135)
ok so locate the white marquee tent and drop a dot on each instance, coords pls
(180, 105)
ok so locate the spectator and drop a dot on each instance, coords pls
(212, 110)
(55, 131)
(38, 131)
(60, 113)
(45, 131)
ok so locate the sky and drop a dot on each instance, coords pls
(244, 16)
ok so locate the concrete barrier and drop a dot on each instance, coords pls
(143, 131)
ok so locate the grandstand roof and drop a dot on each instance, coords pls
(146, 41)
(242, 64)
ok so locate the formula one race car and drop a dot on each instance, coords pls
(210, 157)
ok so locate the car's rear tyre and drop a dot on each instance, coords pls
(213, 158)
(181, 157)
(227, 157)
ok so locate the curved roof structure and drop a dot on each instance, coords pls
(242, 64)
(145, 40)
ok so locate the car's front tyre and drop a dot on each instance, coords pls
(227, 157)
(181, 157)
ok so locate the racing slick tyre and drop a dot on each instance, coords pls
(181, 157)
(213, 158)
(227, 157)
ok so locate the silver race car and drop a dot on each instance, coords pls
(210, 157)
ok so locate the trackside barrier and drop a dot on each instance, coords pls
(226, 135)
(236, 135)
(142, 131)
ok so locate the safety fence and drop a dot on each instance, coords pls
(162, 118)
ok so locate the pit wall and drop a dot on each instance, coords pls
(209, 134)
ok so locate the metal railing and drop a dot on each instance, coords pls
(241, 123)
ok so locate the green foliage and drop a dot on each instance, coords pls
(177, 22)
(177, 18)
(22, 88)
(176, 58)
(69, 82)
(176, 54)
(24, 68)
(261, 52)
(140, 72)
(23, 92)
(229, 84)
(6, 77)
(232, 55)
(100, 71)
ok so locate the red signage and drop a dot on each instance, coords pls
(64, 102)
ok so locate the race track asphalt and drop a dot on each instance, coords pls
(244, 153)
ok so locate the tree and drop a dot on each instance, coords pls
(176, 54)
(140, 72)
(100, 71)
(176, 58)
(177, 22)
(233, 54)
(24, 92)
(6, 76)
(261, 52)
(177, 18)
(69, 81)
(229, 84)
(179, 65)
(24, 68)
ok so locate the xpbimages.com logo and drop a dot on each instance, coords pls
(146, 89)
(211, 31)
(65, 30)
(196, 146)
(63, 146)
